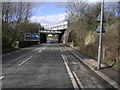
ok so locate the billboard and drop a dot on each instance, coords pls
(32, 37)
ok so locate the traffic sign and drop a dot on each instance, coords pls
(98, 29)
(99, 18)
(32, 37)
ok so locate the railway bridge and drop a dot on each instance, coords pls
(56, 30)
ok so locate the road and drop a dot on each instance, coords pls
(47, 66)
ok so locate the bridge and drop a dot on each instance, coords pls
(51, 31)
(56, 29)
(59, 26)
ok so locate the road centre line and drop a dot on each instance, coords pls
(43, 48)
(40, 51)
(25, 61)
(74, 83)
(2, 77)
(38, 48)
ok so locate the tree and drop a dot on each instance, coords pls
(84, 15)
(15, 16)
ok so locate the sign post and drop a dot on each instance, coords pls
(100, 30)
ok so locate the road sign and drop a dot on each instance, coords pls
(99, 18)
(32, 37)
(98, 29)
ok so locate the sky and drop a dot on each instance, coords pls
(48, 13)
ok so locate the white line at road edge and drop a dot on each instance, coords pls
(25, 61)
(1, 77)
(80, 84)
(74, 83)
(65, 58)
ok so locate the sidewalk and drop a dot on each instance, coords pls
(107, 73)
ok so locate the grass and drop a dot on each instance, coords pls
(110, 62)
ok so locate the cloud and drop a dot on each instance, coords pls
(49, 19)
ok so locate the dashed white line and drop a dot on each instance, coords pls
(40, 51)
(43, 48)
(25, 61)
(37, 48)
(2, 77)
(74, 83)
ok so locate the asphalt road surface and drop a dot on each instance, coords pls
(47, 66)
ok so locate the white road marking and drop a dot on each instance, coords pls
(2, 77)
(40, 51)
(80, 84)
(65, 58)
(64, 55)
(43, 48)
(60, 48)
(37, 48)
(25, 61)
(74, 83)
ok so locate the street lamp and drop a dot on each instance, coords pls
(100, 30)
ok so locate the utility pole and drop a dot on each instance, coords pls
(100, 30)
